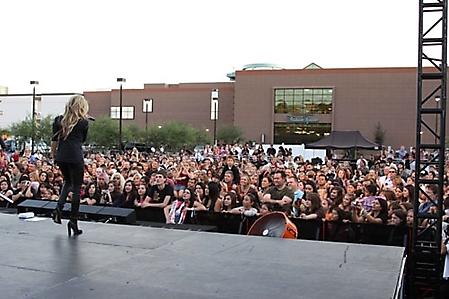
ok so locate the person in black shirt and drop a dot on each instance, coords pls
(69, 133)
(160, 193)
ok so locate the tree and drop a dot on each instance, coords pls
(229, 134)
(23, 131)
(103, 132)
(379, 134)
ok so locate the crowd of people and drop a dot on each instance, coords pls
(233, 179)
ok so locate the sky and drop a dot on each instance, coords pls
(85, 45)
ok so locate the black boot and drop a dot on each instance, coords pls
(73, 225)
(56, 215)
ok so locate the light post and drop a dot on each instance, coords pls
(33, 115)
(437, 100)
(121, 80)
(214, 111)
(147, 108)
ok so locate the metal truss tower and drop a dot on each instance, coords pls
(425, 263)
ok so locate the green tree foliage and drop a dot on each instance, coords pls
(42, 128)
(175, 136)
(229, 134)
(104, 132)
(379, 134)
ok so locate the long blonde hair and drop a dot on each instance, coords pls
(75, 109)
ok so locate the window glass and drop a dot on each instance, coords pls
(127, 112)
(303, 101)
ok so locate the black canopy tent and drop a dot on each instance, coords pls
(343, 140)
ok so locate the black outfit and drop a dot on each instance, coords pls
(70, 160)
(271, 151)
(157, 195)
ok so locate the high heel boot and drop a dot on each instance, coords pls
(56, 215)
(73, 225)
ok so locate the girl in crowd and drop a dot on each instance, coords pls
(265, 183)
(409, 219)
(399, 193)
(182, 178)
(108, 197)
(342, 177)
(313, 209)
(389, 195)
(326, 205)
(45, 192)
(6, 190)
(265, 209)
(347, 201)
(212, 201)
(309, 187)
(378, 215)
(336, 195)
(408, 193)
(126, 199)
(102, 181)
(247, 208)
(398, 218)
(176, 213)
(91, 195)
(34, 179)
(200, 190)
(142, 192)
(229, 202)
(244, 186)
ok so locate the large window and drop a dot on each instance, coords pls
(303, 101)
(127, 112)
(303, 133)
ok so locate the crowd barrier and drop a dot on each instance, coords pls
(363, 233)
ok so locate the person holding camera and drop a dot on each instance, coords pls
(23, 191)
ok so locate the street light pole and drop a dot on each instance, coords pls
(33, 115)
(121, 80)
(147, 108)
(214, 111)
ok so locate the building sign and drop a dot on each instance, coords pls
(301, 119)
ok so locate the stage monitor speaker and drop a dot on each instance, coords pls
(118, 215)
(274, 224)
(88, 212)
(33, 205)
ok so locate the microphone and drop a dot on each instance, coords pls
(91, 118)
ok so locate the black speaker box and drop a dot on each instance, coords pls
(33, 205)
(118, 215)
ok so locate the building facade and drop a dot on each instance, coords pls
(283, 106)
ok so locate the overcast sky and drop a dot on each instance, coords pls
(84, 45)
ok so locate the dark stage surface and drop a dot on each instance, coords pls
(38, 260)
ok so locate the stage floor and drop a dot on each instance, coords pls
(38, 260)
